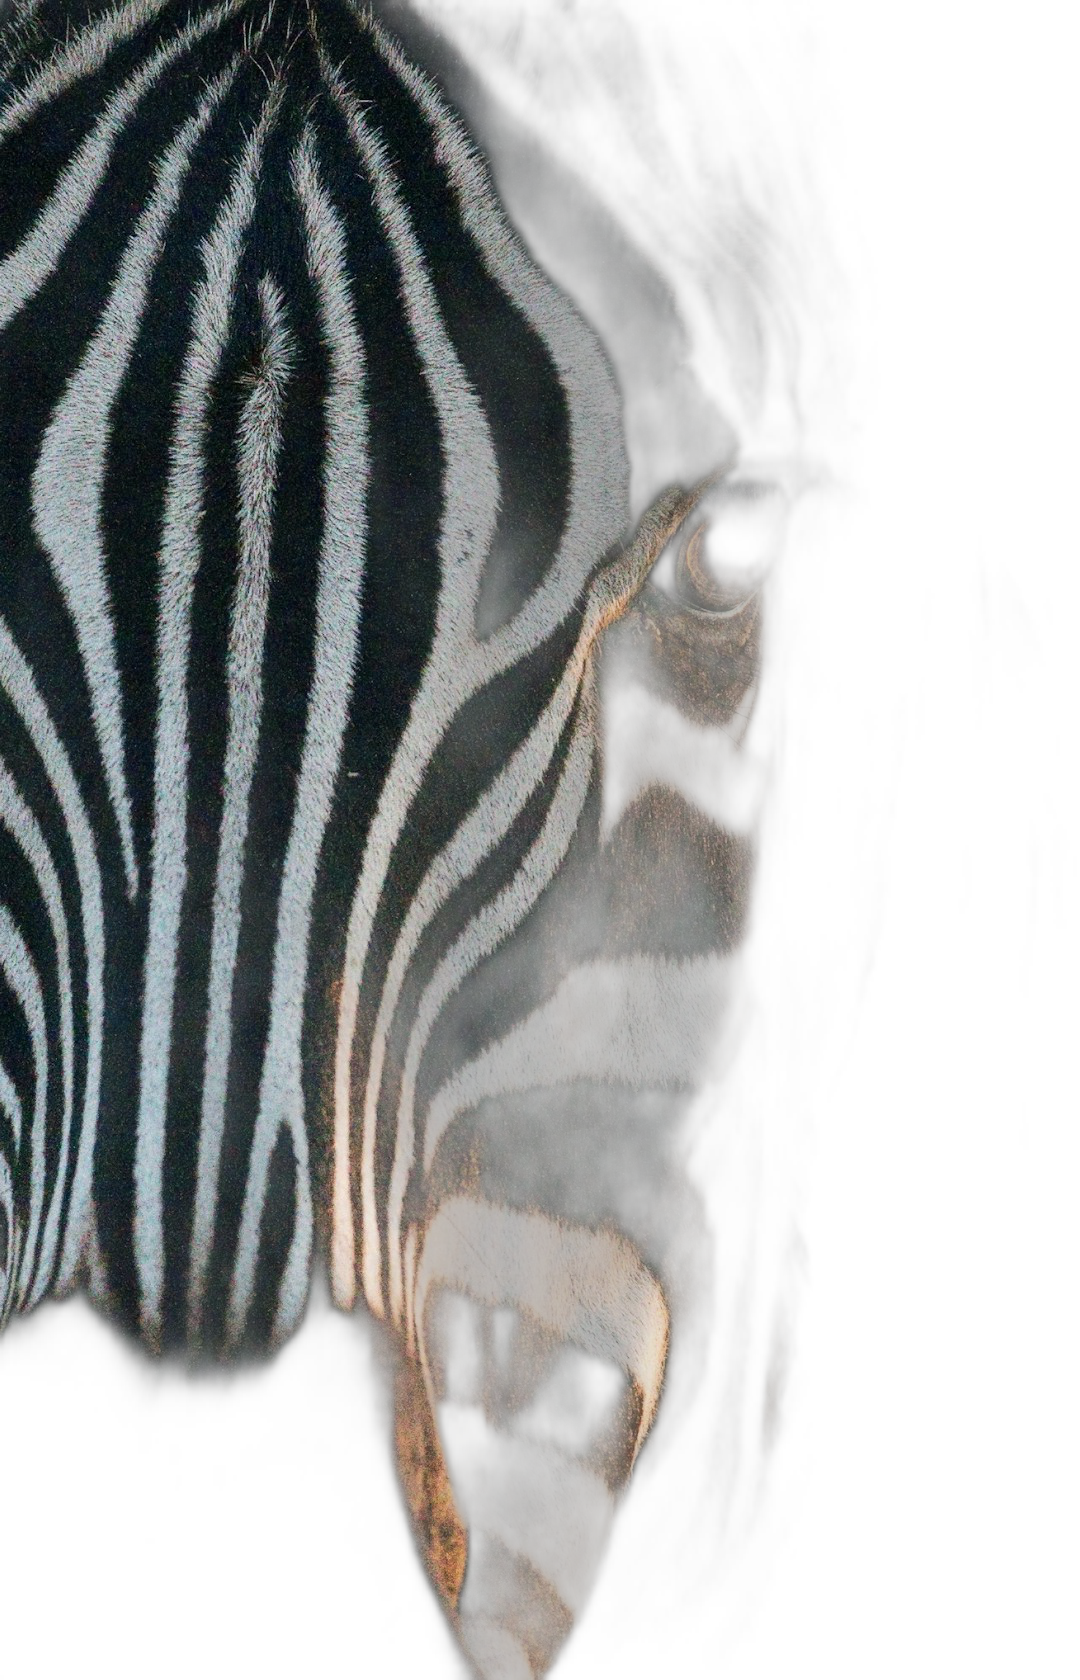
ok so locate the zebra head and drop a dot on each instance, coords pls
(325, 923)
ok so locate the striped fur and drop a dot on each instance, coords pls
(313, 508)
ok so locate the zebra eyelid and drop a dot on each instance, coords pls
(728, 612)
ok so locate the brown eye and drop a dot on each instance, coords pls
(720, 559)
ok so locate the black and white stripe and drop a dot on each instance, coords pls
(313, 504)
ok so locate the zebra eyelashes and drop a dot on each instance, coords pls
(726, 548)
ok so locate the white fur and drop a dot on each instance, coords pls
(69, 476)
(259, 445)
(540, 1503)
(180, 550)
(11, 1104)
(471, 492)
(640, 1022)
(37, 254)
(23, 693)
(652, 743)
(481, 832)
(21, 823)
(496, 1652)
(25, 982)
(14, 1233)
(598, 467)
(80, 57)
(458, 663)
(337, 631)
(585, 1287)
(484, 933)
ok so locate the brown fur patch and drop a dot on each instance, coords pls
(674, 882)
(439, 1531)
(705, 664)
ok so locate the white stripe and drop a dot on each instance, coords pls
(485, 827)
(470, 506)
(654, 743)
(69, 476)
(180, 553)
(646, 1023)
(599, 488)
(97, 1281)
(684, 288)
(20, 821)
(458, 664)
(540, 1505)
(26, 269)
(7, 1272)
(260, 442)
(337, 623)
(496, 1652)
(482, 830)
(12, 1107)
(18, 683)
(20, 32)
(485, 932)
(24, 981)
(76, 59)
(586, 1287)
(11, 1104)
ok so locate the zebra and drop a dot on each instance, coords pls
(319, 939)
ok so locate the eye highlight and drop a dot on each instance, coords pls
(718, 560)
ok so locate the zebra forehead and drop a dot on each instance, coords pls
(432, 157)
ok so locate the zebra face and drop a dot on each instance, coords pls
(560, 1235)
(363, 888)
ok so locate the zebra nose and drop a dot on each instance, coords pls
(534, 1435)
(543, 1348)
(533, 1497)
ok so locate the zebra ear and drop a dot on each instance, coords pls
(726, 548)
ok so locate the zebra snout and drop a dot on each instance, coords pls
(543, 1349)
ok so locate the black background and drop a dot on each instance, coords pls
(262, 1526)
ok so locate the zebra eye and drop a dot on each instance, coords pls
(719, 559)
